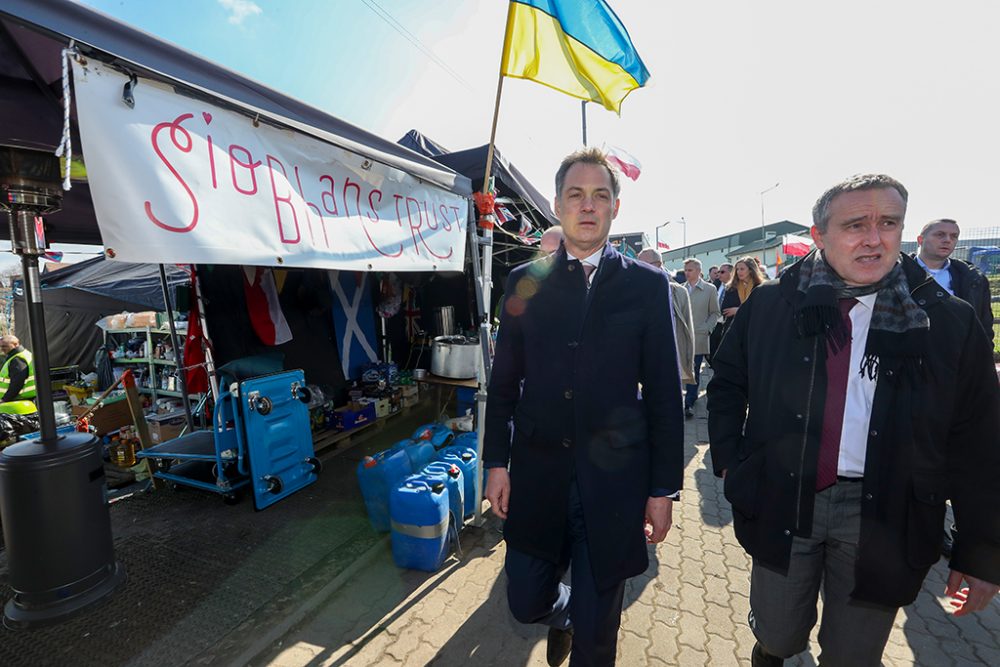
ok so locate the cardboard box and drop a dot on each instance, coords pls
(347, 419)
(109, 417)
(410, 391)
(166, 427)
(410, 401)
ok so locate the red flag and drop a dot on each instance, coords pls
(624, 161)
(265, 310)
(662, 246)
(195, 375)
(795, 248)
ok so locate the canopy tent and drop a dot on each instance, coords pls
(76, 296)
(32, 36)
(510, 182)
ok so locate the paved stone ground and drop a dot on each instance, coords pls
(689, 608)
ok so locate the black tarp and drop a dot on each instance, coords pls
(77, 296)
(32, 36)
(471, 163)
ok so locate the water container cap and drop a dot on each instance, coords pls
(453, 470)
(369, 462)
(437, 487)
(466, 456)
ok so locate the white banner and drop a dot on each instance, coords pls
(179, 180)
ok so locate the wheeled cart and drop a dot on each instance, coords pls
(260, 439)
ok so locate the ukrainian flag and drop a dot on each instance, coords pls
(578, 47)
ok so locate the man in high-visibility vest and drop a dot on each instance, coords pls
(17, 374)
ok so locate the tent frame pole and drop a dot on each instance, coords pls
(484, 285)
(178, 349)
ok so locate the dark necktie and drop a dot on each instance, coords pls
(587, 270)
(837, 370)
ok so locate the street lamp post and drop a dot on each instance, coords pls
(680, 222)
(763, 240)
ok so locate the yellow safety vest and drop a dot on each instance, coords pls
(28, 390)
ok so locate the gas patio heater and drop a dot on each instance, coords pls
(53, 503)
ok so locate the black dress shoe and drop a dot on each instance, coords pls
(688, 413)
(759, 658)
(559, 645)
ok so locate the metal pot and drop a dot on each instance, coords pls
(455, 357)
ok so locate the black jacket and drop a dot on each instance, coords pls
(970, 285)
(566, 376)
(930, 439)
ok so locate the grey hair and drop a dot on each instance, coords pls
(692, 260)
(856, 183)
(588, 156)
(649, 252)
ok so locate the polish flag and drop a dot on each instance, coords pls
(624, 161)
(265, 310)
(662, 246)
(796, 246)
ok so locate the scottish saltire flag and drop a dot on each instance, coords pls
(578, 47)
(353, 321)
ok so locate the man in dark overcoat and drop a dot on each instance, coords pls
(584, 429)
(850, 400)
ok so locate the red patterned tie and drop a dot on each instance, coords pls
(837, 370)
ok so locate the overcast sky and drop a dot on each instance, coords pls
(742, 95)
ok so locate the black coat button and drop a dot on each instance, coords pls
(571, 267)
(573, 345)
(566, 442)
(568, 394)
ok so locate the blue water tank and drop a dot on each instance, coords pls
(419, 511)
(454, 480)
(465, 459)
(438, 435)
(377, 475)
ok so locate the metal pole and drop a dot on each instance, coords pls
(178, 347)
(39, 346)
(763, 240)
(583, 112)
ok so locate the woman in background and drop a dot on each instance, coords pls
(746, 276)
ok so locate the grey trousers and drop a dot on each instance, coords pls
(783, 608)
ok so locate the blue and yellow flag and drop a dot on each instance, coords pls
(578, 47)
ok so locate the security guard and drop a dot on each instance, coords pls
(17, 375)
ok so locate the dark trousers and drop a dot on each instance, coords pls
(691, 395)
(536, 594)
(783, 607)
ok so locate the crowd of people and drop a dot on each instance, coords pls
(837, 469)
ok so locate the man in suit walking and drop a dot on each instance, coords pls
(838, 473)
(583, 433)
(680, 309)
(705, 313)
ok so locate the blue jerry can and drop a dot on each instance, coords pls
(438, 435)
(279, 440)
(468, 439)
(419, 515)
(377, 475)
(421, 452)
(452, 476)
(465, 459)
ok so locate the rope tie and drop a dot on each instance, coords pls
(66, 145)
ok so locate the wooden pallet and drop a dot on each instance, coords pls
(342, 440)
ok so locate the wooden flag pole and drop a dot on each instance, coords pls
(485, 284)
